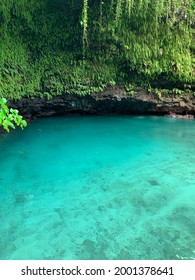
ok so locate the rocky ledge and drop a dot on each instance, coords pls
(111, 101)
(177, 116)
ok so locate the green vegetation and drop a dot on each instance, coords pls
(48, 47)
(10, 117)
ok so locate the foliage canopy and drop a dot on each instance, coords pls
(51, 46)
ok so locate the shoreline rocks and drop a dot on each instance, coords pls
(177, 116)
(112, 101)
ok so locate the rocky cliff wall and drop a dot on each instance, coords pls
(112, 101)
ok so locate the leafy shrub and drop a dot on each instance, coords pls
(9, 118)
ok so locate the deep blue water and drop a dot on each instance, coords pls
(98, 188)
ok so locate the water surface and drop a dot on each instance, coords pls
(98, 188)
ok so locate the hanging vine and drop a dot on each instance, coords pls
(129, 6)
(119, 8)
(101, 13)
(85, 25)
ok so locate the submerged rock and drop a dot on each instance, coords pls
(153, 182)
(21, 198)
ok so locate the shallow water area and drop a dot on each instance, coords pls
(98, 188)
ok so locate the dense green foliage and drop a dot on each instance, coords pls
(51, 46)
(10, 117)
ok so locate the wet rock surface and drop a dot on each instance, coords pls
(177, 116)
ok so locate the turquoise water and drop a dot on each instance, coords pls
(98, 188)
